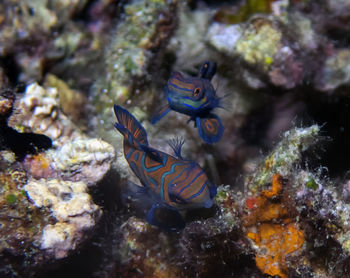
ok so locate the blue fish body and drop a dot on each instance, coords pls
(179, 184)
(195, 97)
(180, 96)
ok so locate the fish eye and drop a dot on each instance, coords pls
(177, 199)
(196, 92)
(180, 200)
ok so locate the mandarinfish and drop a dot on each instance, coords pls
(174, 184)
(195, 97)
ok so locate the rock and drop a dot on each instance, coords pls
(7, 100)
(146, 248)
(72, 102)
(137, 47)
(75, 157)
(72, 207)
(38, 112)
(335, 72)
(21, 222)
(275, 236)
(282, 158)
(298, 210)
(263, 47)
(58, 239)
(46, 210)
(224, 37)
(339, 7)
(189, 42)
(86, 160)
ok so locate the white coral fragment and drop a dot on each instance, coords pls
(73, 208)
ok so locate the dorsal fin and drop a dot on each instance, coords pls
(207, 70)
(176, 144)
(176, 74)
(127, 122)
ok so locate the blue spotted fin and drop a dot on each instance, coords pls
(213, 191)
(210, 128)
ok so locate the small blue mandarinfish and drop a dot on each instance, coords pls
(196, 97)
(175, 184)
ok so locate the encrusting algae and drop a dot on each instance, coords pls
(273, 232)
(277, 241)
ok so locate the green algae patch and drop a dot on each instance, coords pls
(18, 216)
(311, 184)
(11, 199)
(251, 7)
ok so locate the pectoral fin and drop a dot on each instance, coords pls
(160, 114)
(165, 218)
(140, 197)
(210, 128)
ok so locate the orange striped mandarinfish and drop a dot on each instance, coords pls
(176, 184)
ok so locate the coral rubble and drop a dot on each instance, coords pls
(136, 47)
(46, 210)
(281, 166)
(38, 113)
(287, 222)
(71, 206)
(85, 160)
(287, 152)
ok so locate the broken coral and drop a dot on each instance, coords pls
(71, 206)
(46, 209)
(38, 112)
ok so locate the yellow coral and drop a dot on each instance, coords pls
(273, 233)
(260, 43)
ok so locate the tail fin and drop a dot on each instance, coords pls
(129, 126)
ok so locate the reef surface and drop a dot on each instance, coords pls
(281, 168)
